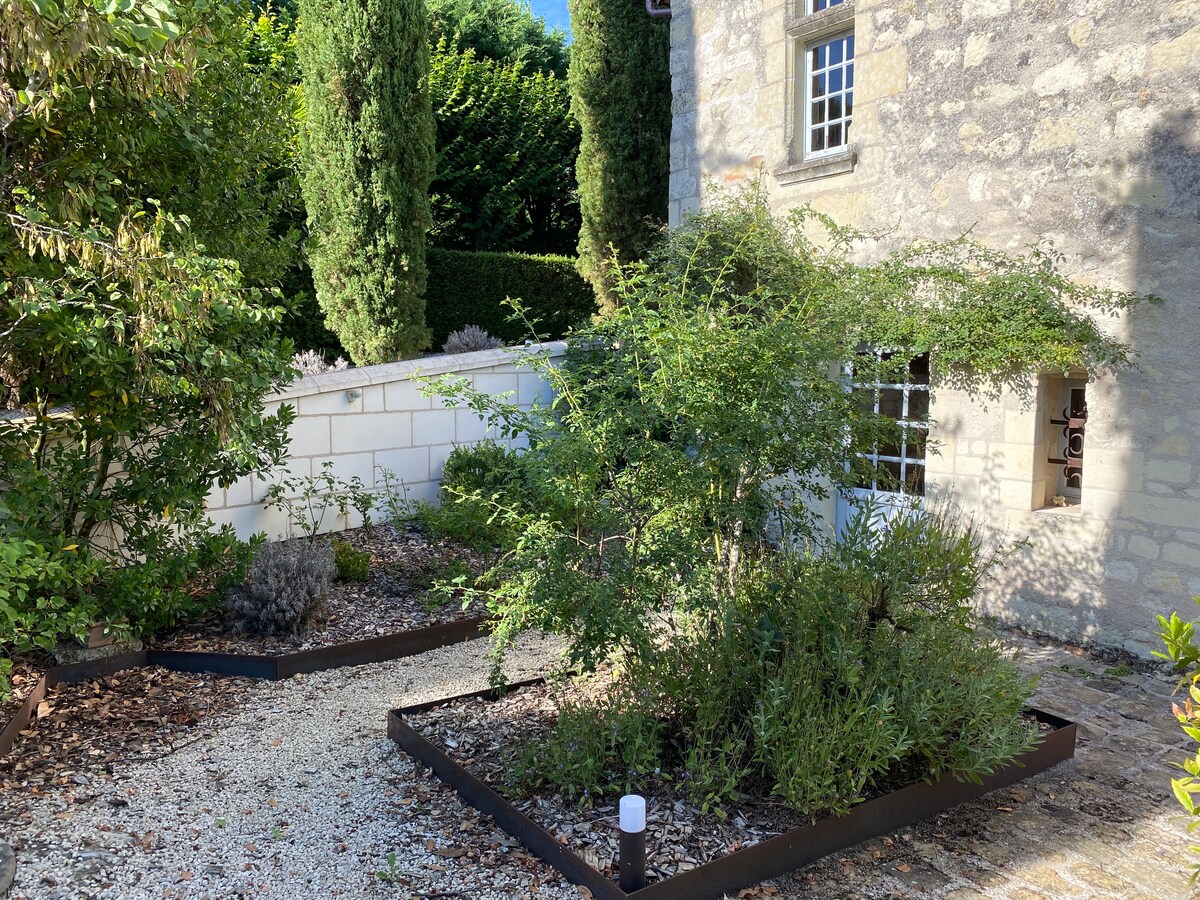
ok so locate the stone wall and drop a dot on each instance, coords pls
(373, 418)
(1074, 121)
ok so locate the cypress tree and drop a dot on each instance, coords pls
(367, 157)
(620, 81)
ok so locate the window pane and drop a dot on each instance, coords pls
(850, 76)
(818, 112)
(835, 107)
(916, 480)
(835, 52)
(918, 406)
(835, 81)
(848, 99)
(835, 135)
(846, 136)
(818, 139)
(818, 86)
(918, 369)
(889, 475)
(849, 46)
(818, 57)
(891, 403)
(915, 441)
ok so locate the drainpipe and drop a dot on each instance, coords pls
(658, 12)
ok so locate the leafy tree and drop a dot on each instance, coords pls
(665, 512)
(367, 161)
(621, 95)
(136, 363)
(506, 151)
(504, 31)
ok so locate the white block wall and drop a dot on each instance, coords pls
(372, 418)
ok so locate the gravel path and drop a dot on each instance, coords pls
(299, 795)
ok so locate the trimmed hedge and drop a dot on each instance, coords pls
(469, 288)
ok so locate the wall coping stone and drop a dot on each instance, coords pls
(384, 373)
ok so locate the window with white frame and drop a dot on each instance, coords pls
(821, 106)
(828, 94)
(898, 466)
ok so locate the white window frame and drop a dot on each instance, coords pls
(907, 426)
(846, 66)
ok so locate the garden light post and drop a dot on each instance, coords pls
(632, 849)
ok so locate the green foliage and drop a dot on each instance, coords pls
(621, 95)
(826, 676)
(367, 161)
(352, 564)
(145, 178)
(43, 596)
(470, 289)
(477, 481)
(1179, 638)
(306, 500)
(671, 518)
(506, 147)
(505, 31)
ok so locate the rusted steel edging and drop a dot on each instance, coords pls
(272, 668)
(772, 858)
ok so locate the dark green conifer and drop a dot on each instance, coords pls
(620, 82)
(367, 159)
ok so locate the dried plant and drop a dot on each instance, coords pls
(284, 590)
(310, 362)
(469, 339)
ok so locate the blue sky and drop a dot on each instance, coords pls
(553, 11)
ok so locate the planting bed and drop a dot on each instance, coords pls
(471, 741)
(389, 616)
(394, 598)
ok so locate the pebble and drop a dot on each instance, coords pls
(226, 816)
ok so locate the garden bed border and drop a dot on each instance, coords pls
(770, 859)
(271, 668)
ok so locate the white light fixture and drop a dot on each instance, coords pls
(632, 853)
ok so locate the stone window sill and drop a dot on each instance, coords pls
(1075, 511)
(813, 169)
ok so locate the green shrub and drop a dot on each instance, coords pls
(826, 677)
(477, 481)
(466, 288)
(1179, 638)
(352, 564)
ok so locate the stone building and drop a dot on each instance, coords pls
(1076, 121)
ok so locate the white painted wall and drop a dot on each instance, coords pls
(372, 418)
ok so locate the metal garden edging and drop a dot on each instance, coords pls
(272, 668)
(769, 859)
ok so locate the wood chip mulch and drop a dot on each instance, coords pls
(395, 598)
(484, 736)
(81, 730)
(27, 671)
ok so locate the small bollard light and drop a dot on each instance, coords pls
(632, 853)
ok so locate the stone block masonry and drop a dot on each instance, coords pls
(1019, 122)
(368, 420)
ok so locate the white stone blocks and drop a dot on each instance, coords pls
(433, 426)
(375, 431)
(410, 465)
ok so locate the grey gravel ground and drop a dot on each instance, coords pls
(300, 795)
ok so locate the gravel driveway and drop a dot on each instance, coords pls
(300, 795)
